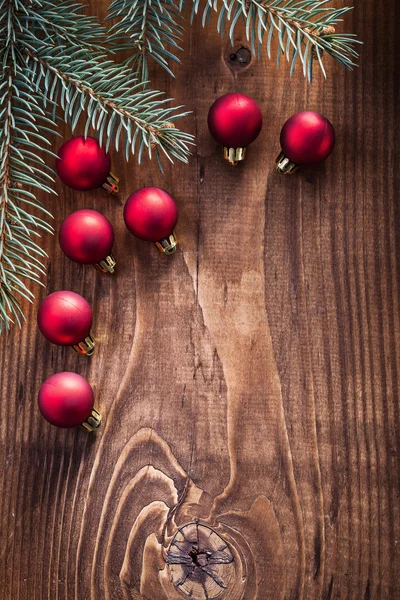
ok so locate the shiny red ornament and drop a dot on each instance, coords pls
(65, 318)
(84, 165)
(66, 400)
(307, 138)
(87, 237)
(151, 214)
(235, 120)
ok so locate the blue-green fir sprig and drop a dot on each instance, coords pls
(304, 30)
(147, 28)
(53, 62)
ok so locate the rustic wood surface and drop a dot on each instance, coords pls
(250, 381)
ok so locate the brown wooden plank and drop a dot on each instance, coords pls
(250, 381)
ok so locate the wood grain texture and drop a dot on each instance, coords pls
(249, 382)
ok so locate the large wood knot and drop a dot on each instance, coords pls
(200, 562)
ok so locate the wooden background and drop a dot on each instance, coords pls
(250, 381)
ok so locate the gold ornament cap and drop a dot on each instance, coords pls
(234, 155)
(107, 265)
(284, 165)
(168, 245)
(93, 421)
(85, 347)
(111, 184)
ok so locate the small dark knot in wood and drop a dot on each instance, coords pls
(200, 562)
(241, 57)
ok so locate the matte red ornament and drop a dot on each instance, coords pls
(87, 237)
(235, 120)
(307, 138)
(151, 214)
(66, 400)
(84, 165)
(65, 318)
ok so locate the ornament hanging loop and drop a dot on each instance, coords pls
(86, 347)
(107, 265)
(234, 155)
(168, 245)
(284, 165)
(111, 185)
(93, 421)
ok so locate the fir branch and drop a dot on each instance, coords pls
(20, 121)
(304, 29)
(53, 57)
(58, 23)
(149, 29)
(112, 103)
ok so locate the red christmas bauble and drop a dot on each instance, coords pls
(66, 399)
(151, 214)
(83, 164)
(307, 138)
(86, 236)
(235, 120)
(65, 318)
